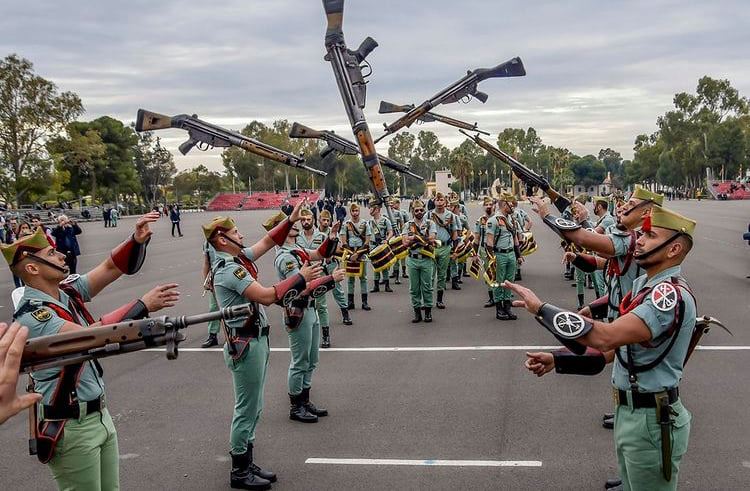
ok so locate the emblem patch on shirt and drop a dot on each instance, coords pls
(41, 315)
(240, 273)
(290, 265)
(664, 297)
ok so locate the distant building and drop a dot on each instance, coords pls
(602, 189)
(441, 184)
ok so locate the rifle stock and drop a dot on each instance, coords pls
(149, 121)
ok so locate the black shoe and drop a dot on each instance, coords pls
(454, 284)
(241, 476)
(417, 315)
(394, 274)
(388, 287)
(608, 423)
(375, 288)
(345, 316)
(311, 408)
(500, 313)
(608, 416)
(403, 273)
(428, 314)
(491, 301)
(256, 470)
(613, 483)
(397, 282)
(298, 412)
(211, 340)
(518, 275)
(439, 304)
(511, 315)
(350, 305)
(326, 337)
(364, 302)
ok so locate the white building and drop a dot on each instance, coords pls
(441, 184)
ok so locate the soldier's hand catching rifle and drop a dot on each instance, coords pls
(142, 230)
(529, 300)
(568, 257)
(12, 340)
(161, 297)
(295, 216)
(580, 212)
(338, 274)
(541, 207)
(539, 363)
(335, 230)
(310, 272)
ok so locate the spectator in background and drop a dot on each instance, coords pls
(11, 226)
(66, 241)
(107, 216)
(174, 217)
(340, 211)
(36, 222)
(287, 207)
(2, 226)
(114, 215)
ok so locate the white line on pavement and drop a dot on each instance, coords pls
(446, 348)
(429, 462)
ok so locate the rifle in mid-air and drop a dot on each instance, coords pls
(428, 117)
(347, 68)
(339, 144)
(530, 178)
(206, 135)
(93, 343)
(463, 89)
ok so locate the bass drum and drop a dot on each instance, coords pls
(381, 257)
(400, 251)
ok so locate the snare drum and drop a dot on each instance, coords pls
(354, 269)
(527, 244)
(475, 269)
(400, 251)
(381, 257)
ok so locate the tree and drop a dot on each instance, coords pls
(154, 165)
(198, 182)
(78, 155)
(31, 111)
(588, 171)
(401, 149)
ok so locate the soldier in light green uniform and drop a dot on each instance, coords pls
(301, 318)
(480, 241)
(420, 236)
(649, 344)
(75, 433)
(382, 231)
(400, 217)
(503, 243)
(522, 224)
(447, 234)
(234, 280)
(213, 326)
(580, 276)
(457, 270)
(355, 234)
(604, 221)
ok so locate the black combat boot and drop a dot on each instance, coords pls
(350, 305)
(609, 423)
(241, 477)
(395, 275)
(511, 315)
(298, 412)
(428, 314)
(417, 315)
(375, 287)
(255, 469)
(326, 338)
(439, 304)
(491, 301)
(345, 315)
(364, 302)
(211, 340)
(500, 313)
(613, 483)
(454, 284)
(388, 287)
(518, 275)
(311, 408)
(403, 272)
(580, 301)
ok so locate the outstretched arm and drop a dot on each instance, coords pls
(278, 234)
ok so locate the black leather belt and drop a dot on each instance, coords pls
(250, 332)
(645, 399)
(504, 251)
(74, 410)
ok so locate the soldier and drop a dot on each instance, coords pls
(522, 224)
(580, 276)
(649, 344)
(457, 270)
(447, 235)
(420, 236)
(234, 279)
(382, 231)
(503, 243)
(480, 240)
(73, 397)
(213, 326)
(356, 235)
(300, 317)
(400, 217)
(603, 223)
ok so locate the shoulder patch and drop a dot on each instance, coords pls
(41, 315)
(290, 265)
(240, 273)
(664, 296)
(70, 279)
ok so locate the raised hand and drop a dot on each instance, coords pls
(540, 206)
(161, 297)
(12, 340)
(310, 272)
(295, 216)
(142, 230)
(529, 300)
(338, 274)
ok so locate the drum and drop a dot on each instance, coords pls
(528, 244)
(428, 251)
(400, 251)
(463, 251)
(475, 269)
(381, 257)
(490, 273)
(354, 269)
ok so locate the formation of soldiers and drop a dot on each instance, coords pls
(643, 324)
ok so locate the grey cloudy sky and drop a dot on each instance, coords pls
(598, 72)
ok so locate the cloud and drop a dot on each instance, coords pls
(599, 73)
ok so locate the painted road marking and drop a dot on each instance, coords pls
(428, 462)
(388, 349)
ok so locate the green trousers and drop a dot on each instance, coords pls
(638, 445)
(442, 263)
(213, 326)
(249, 378)
(382, 275)
(338, 291)
(505, 269)
(580, 281)
(421, 271)
(304, 344)
(87, 458)
(600, 286)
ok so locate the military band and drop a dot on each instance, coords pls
(356, 236)
(446, 224)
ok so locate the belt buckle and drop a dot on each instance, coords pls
(616, 396)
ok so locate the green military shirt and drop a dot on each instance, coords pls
(426, 228)
(316, 239)
(480, 228)
(44, 321)
(350, 238)
(380, 228)
(230, 281)
(286, 263)
(450, 224)
(502, 235)
(605, 221)
(521, 217)
(657, 311)
(620, 285)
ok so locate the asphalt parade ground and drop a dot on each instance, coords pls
(446, 405)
